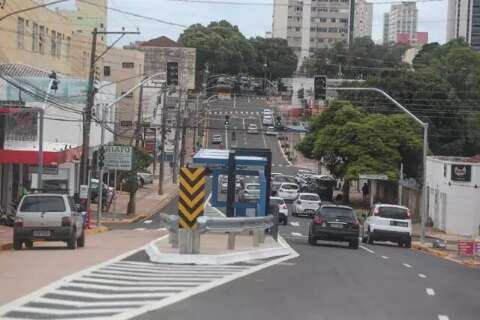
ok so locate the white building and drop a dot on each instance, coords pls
(312, 24)
(454, 194)
(362, 24)
(463, 21)
(402, 19)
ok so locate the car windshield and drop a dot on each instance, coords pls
(393, 213)
(276, 201)
(290, 187)
(337, 213)
(309, 197)
(43, 204)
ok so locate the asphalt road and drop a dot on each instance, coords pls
(329, 280)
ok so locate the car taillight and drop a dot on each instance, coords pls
(317, 220)
(18, 222)
(66, 222)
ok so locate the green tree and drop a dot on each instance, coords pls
(280, 58)
(350, 141)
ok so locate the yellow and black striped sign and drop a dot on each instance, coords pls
(191, 196)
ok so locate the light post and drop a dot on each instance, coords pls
(423, 211)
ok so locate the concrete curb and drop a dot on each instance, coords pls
(444, 255)
(207, 259)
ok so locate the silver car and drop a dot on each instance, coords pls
(145, 177)
(251, 191)
(48, 217)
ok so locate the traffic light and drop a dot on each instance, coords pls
(53, 77)
(101, 157)
(320, 87)
(172, 73)
(227, 121)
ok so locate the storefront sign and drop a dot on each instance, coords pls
(466, 247)
(118, 158)
(461, 172)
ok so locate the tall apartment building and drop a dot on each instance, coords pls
(362, 24)
(464, 21)
(386, 22)
(312, 24)
(402, 19)
(87, 16)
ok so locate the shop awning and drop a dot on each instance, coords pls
(30, 157)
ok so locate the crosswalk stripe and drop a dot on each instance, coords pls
(178, 267)
(78, 304)
(76, 313)
(164, 271)
(119, 289)
(65, 292)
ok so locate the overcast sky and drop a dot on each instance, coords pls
(252, 20)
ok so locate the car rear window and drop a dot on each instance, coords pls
(276, 201)
(393, 213)
(253, 187)
(290, 187)
(337, 213)
(43, 204)
(309, 197)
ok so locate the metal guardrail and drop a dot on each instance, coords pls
(235, 226)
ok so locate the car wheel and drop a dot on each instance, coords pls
(81, 240)
(353, 244)
(17, 243)
(311, 239)
(29, 244)
(369, 238)
(72, 242)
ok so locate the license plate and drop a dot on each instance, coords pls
(42, 233)
(399, 223)
(336, 225)
(309, 211)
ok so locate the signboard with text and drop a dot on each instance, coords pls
(466, 247)
(118, 158)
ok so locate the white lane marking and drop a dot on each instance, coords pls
(119, 289)
(208, 199)
(226, 138)
(384, 257)
(42, 311)
(92, 304)
(161, 229)
(139, 229)
(296, 234)
(135, 283)
(406, 265)
(287, 264)
(295, 224)
(421, 275)
(147, 221)
(367, 249)
(430, 291)
(442, 317)
(100, 296)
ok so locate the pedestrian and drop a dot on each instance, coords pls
(365, 191)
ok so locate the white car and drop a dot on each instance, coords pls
(388, 222)
(250, 192)
(267, 120)
(271, 131)
(252, 128)
(48, 217)
(306, 204)
(145, 177)
(282, 209)
(288, 191)
(267, 111)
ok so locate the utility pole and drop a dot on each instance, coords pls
(161, 167)
(87, 115)
(196, 124)
(131, 200)
(400, 188)
(184, 144)
(177, 137)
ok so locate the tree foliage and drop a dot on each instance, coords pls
(350, 141)
(225, 49)
(362, 59)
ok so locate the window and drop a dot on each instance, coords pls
(312, 29)
(41, 42)
(43, 204)
(128, 65)
(106, 71)
(297, 29)
(59, 45)
(322, 30)
(20, 32)
(323, 19)
(332, 30)
(333, 20)
(53, 46)
(35, 37)
(344, 21)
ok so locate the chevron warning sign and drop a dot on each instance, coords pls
(191, 196)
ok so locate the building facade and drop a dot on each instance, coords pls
(312, 24)
(401, 20)
(87, 16)
(362, 24)
(464, 21)
(125, 68)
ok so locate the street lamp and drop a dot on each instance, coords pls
(423, 213)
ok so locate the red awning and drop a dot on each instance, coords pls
(50, 158)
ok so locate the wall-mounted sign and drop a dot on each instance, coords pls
(461, 172)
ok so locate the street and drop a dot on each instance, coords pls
(326, 281)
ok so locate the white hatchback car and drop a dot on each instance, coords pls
(288, 191)
(388, 222)
(282, 209)
(306, 204)
(252, 128)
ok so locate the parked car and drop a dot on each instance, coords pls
(217, 139)
(282, 209)
(224, 184)
(251, 191)
(302, 173)
(388, 222)
(334, 223)
(145, 177)
(48, 217)
(279, 179)
(252, 128)
(288, 191)
(306, 204)
(267, 112)
(267, 120)
(271, 131)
